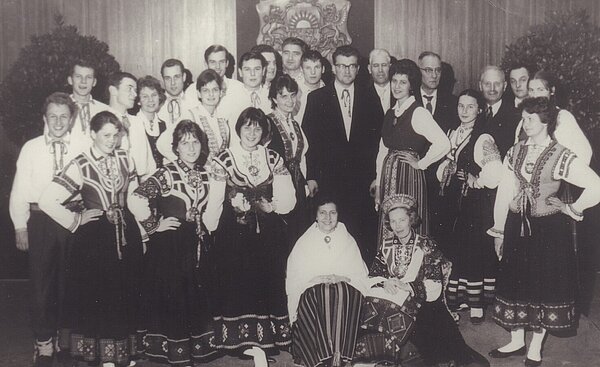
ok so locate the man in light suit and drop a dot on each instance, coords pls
(342, 123)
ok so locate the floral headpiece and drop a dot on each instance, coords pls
(398, 201)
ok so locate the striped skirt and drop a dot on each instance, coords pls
(328, 319)
(398, 177)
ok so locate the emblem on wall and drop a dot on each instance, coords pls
(322, 24)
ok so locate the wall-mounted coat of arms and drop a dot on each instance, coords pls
(322, 24)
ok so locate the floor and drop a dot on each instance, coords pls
(581, 350)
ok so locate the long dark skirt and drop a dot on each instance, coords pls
(385, 328)
(325, 331)
(537, 280)
(177, 320)
(470, 248)
(102, 295)
(248, 282)
(398, 177)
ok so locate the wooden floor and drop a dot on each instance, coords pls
(580, 350)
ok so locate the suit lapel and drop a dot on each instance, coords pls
(337, 117)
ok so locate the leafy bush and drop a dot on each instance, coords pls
(41, 69)
(568, 46)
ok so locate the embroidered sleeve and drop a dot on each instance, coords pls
(487, 156)
(507, 190)
(379, 267)
(62, 187)
(277, 163)
(575, 171)
(219, 165)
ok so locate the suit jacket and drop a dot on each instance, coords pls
(371, 88)
(342, 167)
(503, 125)
(446, 113)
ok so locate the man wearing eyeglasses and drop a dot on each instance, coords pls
(342, 123)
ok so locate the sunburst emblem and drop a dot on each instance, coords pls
(303, 19)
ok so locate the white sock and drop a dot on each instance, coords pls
(476, 312)
(517, 341)
(534, 351)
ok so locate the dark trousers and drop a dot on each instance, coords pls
(47, 269)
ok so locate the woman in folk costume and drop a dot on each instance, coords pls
(536, 279)
(288, 139)
(151, 96)
(170, 205)
(408, 278)
(254, 188)
(326, 277)
(468, 178)
(106, 250)
(411, 141)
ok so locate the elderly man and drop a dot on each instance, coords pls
(379, 68)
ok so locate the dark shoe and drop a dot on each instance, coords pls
(476, 320)
(532, 363)
(43, 361)
(498, 354)
(271, 359)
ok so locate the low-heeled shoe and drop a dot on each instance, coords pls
(476, 320)
(498, 354)
(532, 363)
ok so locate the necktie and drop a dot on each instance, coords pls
(489, 114)
(84, 116)
(255, 98)
(346, 101)
(58, 149)
(428, 106)
(174, 110)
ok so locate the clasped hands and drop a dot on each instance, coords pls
(393, 285)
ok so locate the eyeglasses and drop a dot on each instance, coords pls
(431, 71)
(351, 67)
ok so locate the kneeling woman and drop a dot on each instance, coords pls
(106, 249)
(170, 206)
(325, 280)
(409, 274)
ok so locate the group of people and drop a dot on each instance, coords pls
(345, 222)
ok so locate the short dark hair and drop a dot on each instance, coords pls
(84, 64)
(102, 118)
(60, 98)
(170, 63)
(114, 80)
(544, 108)
(151, 82)
(424, 54)
(208, 76)
(253, 116)
(481, 103)
(410, 69)
(250, 55)
(262, 48)
(295, 41)
(312, 55)
(550, 82)
(213, 49)
(185, 127)
(518, 65)
(322, 199)
(345, 50)
(278, 84)
(413, 216)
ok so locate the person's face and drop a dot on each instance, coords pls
(431, 71)
(250, 135)
(173, 77)
(467, 109)
(400, 86)
(286, 101)
(379, 67)
(492, 85)
(291, 57)
(105, 140)
(345, 70)
(327, 217)
(188, 149)
(58, 119)
(400, 222)
(210, 94)
(82, 80)
(218, 62)
(252, 72)
(532, 124)
(271, 66)
(537, 88)
(126, 92)
(149, 100)
(518, 82)
(312, 71)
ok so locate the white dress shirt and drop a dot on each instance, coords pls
(384, 95)
(345, 106)
(78, 133)
(433, 100)
(136, 143)
(171, 114)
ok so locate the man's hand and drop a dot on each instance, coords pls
(22, 239)
(499, 247)
(90, 215)
(313, 187)
(168, 224)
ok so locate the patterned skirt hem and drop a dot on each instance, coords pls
(264, 331)
(180, 351)
(106, 350)
(521, 314)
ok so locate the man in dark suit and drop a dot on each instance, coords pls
(342, 123)
(379, 68)
(502, 117)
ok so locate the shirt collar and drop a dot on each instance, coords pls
(96, 154)
(65, 138)
(340, 88)
(434, 94)
(545, 143)
(89, 99)
(400, 108)
(379, 88)
(496, 106)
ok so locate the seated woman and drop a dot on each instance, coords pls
(325, 281)
(409, 275)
